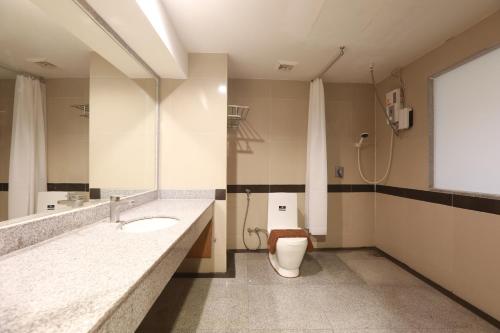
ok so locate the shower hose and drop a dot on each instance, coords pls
(388, 168)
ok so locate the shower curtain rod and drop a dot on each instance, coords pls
(341, 53)
(10, 69)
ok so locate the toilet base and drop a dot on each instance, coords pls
(288, 273)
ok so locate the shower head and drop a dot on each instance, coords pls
(362, 137)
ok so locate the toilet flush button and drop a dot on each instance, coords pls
(282, 208)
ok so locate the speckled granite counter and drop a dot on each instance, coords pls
(97, 278)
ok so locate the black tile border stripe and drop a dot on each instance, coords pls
(68, 187)
(422, 195)
(252, 188)
(362, 188)
(342, 188)
(485, 205)
(95, 193)
(479, 204)
(339, 188)
(220, 194)
(65, 187)
(289, 188)
(297, 188)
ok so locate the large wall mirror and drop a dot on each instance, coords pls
(74, 127)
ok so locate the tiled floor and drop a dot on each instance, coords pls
(344, 291)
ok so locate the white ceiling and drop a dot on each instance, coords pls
(258, 33)
(26, 33)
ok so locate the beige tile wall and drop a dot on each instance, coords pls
(456, 248)
(270, 148)
(67, 132)
(194, 142)
(6, 105)
(122, 129)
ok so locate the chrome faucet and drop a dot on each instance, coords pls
(115, 206)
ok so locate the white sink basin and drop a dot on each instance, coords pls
(149, 224)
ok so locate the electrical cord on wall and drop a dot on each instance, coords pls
(379, 100)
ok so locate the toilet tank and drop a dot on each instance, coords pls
(282, 211)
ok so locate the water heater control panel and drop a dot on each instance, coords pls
(396, 111)
(393, 103)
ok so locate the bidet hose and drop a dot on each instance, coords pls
(245, 224)
(389, 162)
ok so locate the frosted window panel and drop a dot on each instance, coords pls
(467, 126)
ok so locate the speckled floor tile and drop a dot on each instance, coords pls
(203, 331)
(306, 331)
(328, 297)
(338, 271)
(426, 308)
(359, 307)
(484, 329)
(312, 272)
(368, 330)
(240, 265)
(260, 331)
(380, 271)
(286, 307)
(346, 255)
(195, 304)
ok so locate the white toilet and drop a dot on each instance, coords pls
(282, 214)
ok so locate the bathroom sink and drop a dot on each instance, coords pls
(149, 224)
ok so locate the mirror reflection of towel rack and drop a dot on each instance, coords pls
(84, 109)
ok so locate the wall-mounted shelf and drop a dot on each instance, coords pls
(84, 109)
(235, 114)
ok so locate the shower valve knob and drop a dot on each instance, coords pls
(339, 171)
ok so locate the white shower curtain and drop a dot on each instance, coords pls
(28, 165)
(316, 167)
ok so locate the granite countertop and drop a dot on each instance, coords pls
(72, 282)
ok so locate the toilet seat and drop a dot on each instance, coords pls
(294, 240)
